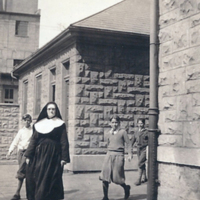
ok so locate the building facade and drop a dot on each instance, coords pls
(19, 38)
(179, 95)
(92, 73)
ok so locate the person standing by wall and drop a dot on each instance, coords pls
(21, 142)
(46, 155)
(113, 166)
(140, 138)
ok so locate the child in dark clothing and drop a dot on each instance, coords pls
(113, 166)
(141, 140)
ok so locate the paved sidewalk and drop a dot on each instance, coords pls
(79, 186)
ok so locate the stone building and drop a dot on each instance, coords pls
(96, 67)
(179, 100)
(19, 37)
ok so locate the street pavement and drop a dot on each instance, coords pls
(77, 186)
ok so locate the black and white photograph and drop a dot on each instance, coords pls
(99, 100)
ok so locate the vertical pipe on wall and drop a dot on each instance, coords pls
(153, 110)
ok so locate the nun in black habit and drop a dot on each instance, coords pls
(46, 155)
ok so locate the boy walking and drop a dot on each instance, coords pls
(113, 166)
(21, 141)
(141, 140)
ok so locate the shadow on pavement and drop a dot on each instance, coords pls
(135, 197)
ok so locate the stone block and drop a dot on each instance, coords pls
(122, 86)
(79, 112)
(130, 83)
(123, 96)
(170, 140)
(168, 103)
(166, 48)
(108, 82)
(94, 81)
(193, 73)
(78, 80)
(86, 138)
(178, 82)
(103, 123)
(108, 111)
(82, 144)
(121, 109)
(121, 102)
(80, 69)
(138, 80)
(78, 151)
(169, 18)
(166, 5)
(94, 151)
(94, 108)
(108, 74)
(187, 8)
(94, 141)
(115, 89)
(94, 119)
(94, 96)
(91, 88)
(87, 116)
(86, 93)
(79, 90)
(85, 80)
(101, 75)
(101, 94)
(87, 73)
(119, 76)
(194, 36)
(106, 102)
(103, 144)
(94, 75)
(85, 100)
(192, 86)
(139, 100)
(130, 103)
(79, 131)
(93, 130)
(126, 117)
(85, 123)
(166, 34)
(108, 91)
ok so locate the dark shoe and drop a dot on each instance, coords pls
(144, 180)
(138, 182)
(105, 198)
(16, 197)
(127, 192)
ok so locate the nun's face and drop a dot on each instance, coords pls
(51, 110)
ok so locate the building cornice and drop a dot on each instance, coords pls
(74, 34)
(19, 14)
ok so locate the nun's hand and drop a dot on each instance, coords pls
(63, 163)
(27, 161)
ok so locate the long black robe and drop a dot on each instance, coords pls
(44, 172)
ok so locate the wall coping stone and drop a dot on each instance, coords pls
(179, 155)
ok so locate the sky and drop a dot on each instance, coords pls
(57, 15)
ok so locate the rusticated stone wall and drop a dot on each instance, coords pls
(103, 80)
(9, 120)
(179, 79)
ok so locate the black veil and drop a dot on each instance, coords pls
(43, 113)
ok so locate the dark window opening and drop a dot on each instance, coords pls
(21, 28)
(17, 62)
(9, 95)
